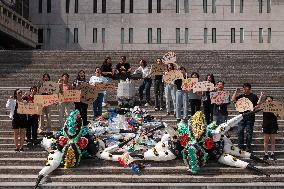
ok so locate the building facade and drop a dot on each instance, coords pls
(159, 24)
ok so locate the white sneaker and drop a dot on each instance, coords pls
(147, 104)
(104, 104)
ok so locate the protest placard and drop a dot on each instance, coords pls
(70, 96)
(29, 108)
(46, 100)
(203, 86)
(88, 93)
(188, 84)
(169, 57)
(158, 69)
(172, 75)
(105, 87)
(126, 89)
(244, 104)
(220, 97)
(49, 87)
(274, 107)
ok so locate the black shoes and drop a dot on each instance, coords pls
(273, 157)
(265, 157)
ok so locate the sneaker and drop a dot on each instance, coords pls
(161, 109)
(273, 157)
(156, 109)
(147, 104)
(168, 113)
(178, 120)
(104, 104)
(16, 150)
(265, 157)
(21, 149)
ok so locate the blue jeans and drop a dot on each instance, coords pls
(248, 126)
(181, 101)
(145, 85)
(170, 92)
(105, 92)
(97, 105)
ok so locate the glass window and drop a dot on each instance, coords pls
(214, 35)
(186, 6)
(130, 35)
(178, 35)
(95, 6)
(103, 35)
(76, 6)
(205, 35)
(159, 6)
(204, 6)
(40, 35)
(95, 35)
(232, 6)
(260, 31)
(75, 35)
(48, 7)
(48, 36)
(177, 6)
(268, 6)
(241, 6)
(269, 35)
(67, 35)
(131, 6)
(122, 36)
(103, 6)
(213, 6)
(260, 4)
(67, 4)
(122, 6)
(39, 6)
(242, 35)
(159, 35)
(186, 36)
(150, 6)
(233, 35)
(149, 35)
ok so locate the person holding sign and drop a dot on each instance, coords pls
(107, 72)
(144, 69)
(64, 108)
(248, 123)
(269, 129)
(19, 121)
(181, 97)
(97, 104)
(158, 88)
(207, 106)
(81, 106)
(194, 98)
(32, 124)
(170, 91)
(45, 110)
(220, 111)
(123, 69)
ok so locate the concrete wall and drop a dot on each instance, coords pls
(168, 20)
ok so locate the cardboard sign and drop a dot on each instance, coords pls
(188, 84)
(169, 57)
(70, 96)
(88, 93)
(126, 89)
(105, 87)
(29, 108)
(171, 76)
(203, 86)
(244, 104)
(220, 97)
(158, 69)
(46, 100)
(274, 107)
(49, 87)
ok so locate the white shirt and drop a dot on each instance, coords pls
(11, 105)
(145, 71)
(95, 79)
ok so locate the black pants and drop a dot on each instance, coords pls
(32, 126)
(82, 107)
(195, 105)
(145, 85)
(208, 111)
(159, 93)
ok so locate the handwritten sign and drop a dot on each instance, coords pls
(49, 87)
(46, 100)
(274, 107)
(126, 89)
(105, 87)
(158, 69)
(220, 97)
(29, 108)
(169, 57)
(203, 86)
(171, 76)
(70, 96)
(188, 84)
(88, 93)
(244, 104)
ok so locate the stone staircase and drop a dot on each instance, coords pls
(264, 69)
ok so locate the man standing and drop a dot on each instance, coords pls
(247, 123)
(123, 69)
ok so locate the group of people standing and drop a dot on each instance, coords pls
(177, 102)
